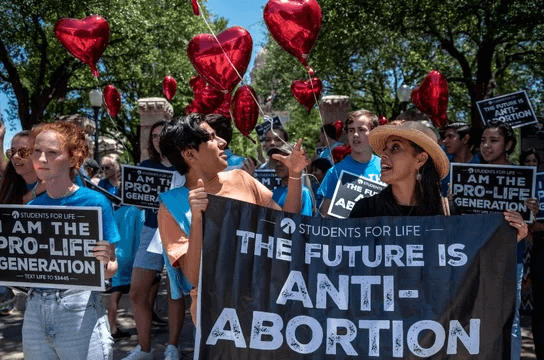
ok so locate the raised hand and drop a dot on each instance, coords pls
(296, 161)
(198, 199)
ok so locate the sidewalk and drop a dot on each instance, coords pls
(11, 326)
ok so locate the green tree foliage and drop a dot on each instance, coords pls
(367, 49)
(148, 41)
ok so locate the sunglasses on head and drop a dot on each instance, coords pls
(22, 152)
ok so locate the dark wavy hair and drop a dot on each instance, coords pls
(221, 125)
(462, 129)
(506, 131)
(523, 156)
(330, 131)
(154, 155)
(182, 133)
(12, 185)
(428, 190)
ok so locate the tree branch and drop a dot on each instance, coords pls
(21, 93)
(42, 47)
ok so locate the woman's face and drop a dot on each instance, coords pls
(50, 159)
(20, 155)
(493, 147)
(399, 162)
(155, 137)
(273, 138)
(108, 167)
(319, 175)
(531, 160)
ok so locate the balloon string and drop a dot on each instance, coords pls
(323, 129)
(228, 59)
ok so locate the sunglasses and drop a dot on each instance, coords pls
(106, 167)
(22, 152)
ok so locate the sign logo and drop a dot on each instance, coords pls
(15, 214)
(288, 226)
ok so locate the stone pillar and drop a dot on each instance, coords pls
(151, 111)
(334, 107)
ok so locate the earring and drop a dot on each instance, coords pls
(418, 176)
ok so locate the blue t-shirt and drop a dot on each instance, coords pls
(445, 183)
(280, 194)
(108, 186)
(151, 214)
(327, 153)
(233, 161)
(371, 170)
(129, 220)
(86, 197)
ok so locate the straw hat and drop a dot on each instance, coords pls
(418, 134)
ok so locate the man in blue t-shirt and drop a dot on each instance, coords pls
(280, 193)
(361, 161)
(458, 141)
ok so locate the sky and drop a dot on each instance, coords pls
(245, 13)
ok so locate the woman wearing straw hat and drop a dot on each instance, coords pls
(412, 164)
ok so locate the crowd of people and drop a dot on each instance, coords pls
(48, 166)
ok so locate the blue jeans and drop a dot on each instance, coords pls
(516, 326)
(66, 324)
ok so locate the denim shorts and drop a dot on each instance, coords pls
(66, 324)
(145, 259)
(179, 285)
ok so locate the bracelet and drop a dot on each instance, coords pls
(293, 178)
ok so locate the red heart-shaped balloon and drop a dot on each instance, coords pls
(244, 109)
(224, 108)
(195, 7)
(169, 87)
(339, 126)
(193, 107)
(196, 83)
(339, 153)
(112, 100)
(209, 98)
(210, 62)
(294, 24)
(431, 97)
(85, 39)
(307, 91)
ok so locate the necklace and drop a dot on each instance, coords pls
(68, 192)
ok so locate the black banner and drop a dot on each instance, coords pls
(514, 109)
(142, 185)
(115, 200)
(50, 247)
(479, 188)
(350, 188)
(268, 178)
(277, 285)
(265, 127)
(540, 195)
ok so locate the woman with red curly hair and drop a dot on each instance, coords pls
(68, 323)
